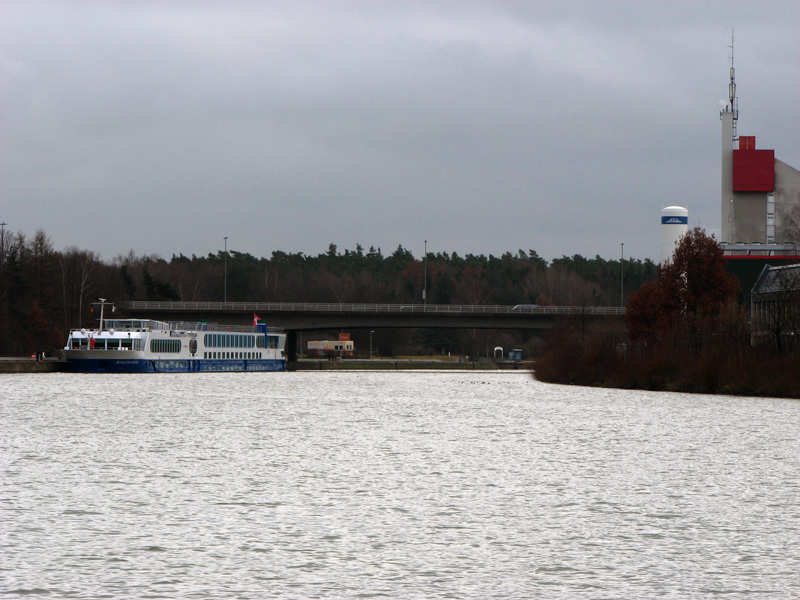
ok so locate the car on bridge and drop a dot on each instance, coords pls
(525, 307)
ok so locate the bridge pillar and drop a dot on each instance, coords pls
(291, 346)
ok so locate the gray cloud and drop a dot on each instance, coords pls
(480, 126)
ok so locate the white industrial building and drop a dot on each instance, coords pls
(760, 194)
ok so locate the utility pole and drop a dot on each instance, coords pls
(622, 274)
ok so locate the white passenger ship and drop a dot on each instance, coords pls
(147, 346)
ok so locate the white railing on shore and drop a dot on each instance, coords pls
(305, 307)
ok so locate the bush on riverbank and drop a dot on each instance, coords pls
(685, 332)
(603, 360)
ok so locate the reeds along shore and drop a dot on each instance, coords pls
(606, 361)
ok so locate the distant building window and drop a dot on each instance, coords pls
(770, 218)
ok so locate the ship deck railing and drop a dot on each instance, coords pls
(180, 326)
(190, 326)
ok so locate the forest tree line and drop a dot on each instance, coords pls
(46, 292)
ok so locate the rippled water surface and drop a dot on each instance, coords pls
(404, 485)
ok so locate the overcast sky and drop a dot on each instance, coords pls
(481, 127)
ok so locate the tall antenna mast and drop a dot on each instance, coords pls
(732, 95)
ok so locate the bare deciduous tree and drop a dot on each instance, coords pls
(77, 267)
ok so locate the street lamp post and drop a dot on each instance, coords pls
(425, 277)
(370, 343)
(225, 270)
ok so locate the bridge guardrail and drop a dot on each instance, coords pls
(145, 305)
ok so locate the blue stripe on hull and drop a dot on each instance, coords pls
(95, 365)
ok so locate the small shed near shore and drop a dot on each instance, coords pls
(342, 347)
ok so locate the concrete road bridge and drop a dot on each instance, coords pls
(297, 317)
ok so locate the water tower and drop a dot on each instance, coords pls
(674, 225)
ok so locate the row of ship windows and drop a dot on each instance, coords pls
(232, 355)
(172, 364)
(165, 346)
(232, 340)
(174, 346)
(105, 344)
(184, 365)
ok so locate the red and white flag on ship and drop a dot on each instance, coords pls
(256, 319)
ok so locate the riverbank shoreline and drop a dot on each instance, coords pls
(404, 364)
(55, 365)
(31, 365)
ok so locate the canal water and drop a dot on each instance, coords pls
(395, 484)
